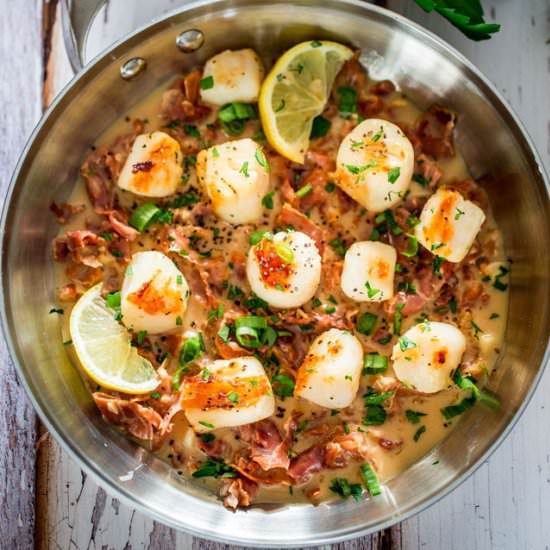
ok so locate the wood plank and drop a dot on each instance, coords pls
(20, 100)
(506, 503)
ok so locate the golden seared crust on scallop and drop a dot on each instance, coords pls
(154, 294)
(235, 176)
(153, 167)
(375, 164)
(226, 393)
(330, 373)
(449, 225)
(233, 76)
(368, 273)
(427, 354)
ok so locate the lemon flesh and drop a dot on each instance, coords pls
(104, 350)
(295, 91)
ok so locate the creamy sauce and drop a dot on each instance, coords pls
(180, 449)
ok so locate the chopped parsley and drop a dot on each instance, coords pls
(267, 200)
(366, 323)
(283, 385)
(414, 416)
(406, 343)
(419, 432)
(347, 103)
(207, 82)
(338, 246)
(498, 284)
(345, 489)
(261, 159)
(214, 468)
(320, 127)
(371, 291)
(393, 174)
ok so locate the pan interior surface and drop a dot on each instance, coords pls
(489, 137)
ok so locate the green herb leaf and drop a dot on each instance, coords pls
(345, 489)
(283, 385)
(207, 82)
(347, 103)
(261, 159)
(338, 246)
(214, 468)
(267, 200)
(320, 127)
(414, 416)
(371, 292)
(465, 15)
(419, 432)
(366, 323)
(393, 174)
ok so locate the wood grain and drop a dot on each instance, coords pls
(20, 100)
(505, 505)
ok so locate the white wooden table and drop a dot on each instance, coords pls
(48, 502)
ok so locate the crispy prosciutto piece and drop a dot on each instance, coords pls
(435, 132)
(267, 448)
(238, 492)
(289, 216)
(140, 421)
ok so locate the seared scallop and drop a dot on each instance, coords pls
(235, 175)
(368, 272)
(232, 76)
(284, 269)
(427, 354)
(449, 225)
(154, 294)
(227, 392)
(153, 167)
(375, 164)
(330, 373)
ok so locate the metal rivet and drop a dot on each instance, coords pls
(131, 68)
(190, 40)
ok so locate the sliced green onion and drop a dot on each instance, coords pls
(366, 323)
(374, 363)
(370, 479)
(305, 190)
(257, 236)
(284, 252)
(113, 299)
(375, 398)
(412, 249)
(223, 333)
(143, 215)
(488, 399)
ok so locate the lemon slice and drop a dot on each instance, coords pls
(295, 91)
(103, 347)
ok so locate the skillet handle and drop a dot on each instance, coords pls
(76, 19)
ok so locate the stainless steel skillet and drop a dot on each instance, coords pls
(492, 141)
